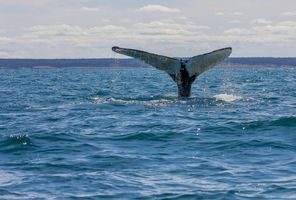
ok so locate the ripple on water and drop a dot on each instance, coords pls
(10, 178)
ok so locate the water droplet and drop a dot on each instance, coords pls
(197, 131)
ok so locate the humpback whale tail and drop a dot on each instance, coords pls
(182, 71)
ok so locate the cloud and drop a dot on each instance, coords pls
(282, 32)
(89, 9)
(234, 22)
(167, 36)
(5, 40)
(64, 40)
(261, 21)
(169, 29)
(183, 18)
(289, 13)
(158, 8)
(220, 13)
(105, 20)
(235, 13)
(292, 24)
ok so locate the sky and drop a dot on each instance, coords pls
(177, 28)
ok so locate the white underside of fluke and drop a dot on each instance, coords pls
(201, 63)
(167, 64)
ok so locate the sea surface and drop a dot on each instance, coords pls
(123, 133)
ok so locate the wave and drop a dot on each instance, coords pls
(281, 122)
(285, 121)
(148, 135)
(286, 124)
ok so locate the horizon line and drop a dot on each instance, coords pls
(131, 58)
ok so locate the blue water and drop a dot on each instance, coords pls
(122, 133)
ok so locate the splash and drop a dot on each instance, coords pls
(227, 97)
(19, 139)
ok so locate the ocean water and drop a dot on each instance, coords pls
(123, 133)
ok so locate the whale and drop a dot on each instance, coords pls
(183, 71)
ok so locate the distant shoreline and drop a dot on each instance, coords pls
(128, 62)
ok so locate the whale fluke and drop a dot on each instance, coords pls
(182, 71)
(167, 64)
(201, 63)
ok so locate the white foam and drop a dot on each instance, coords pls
(227, 97)
(159, 102)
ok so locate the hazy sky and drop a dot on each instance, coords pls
(89, 28)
